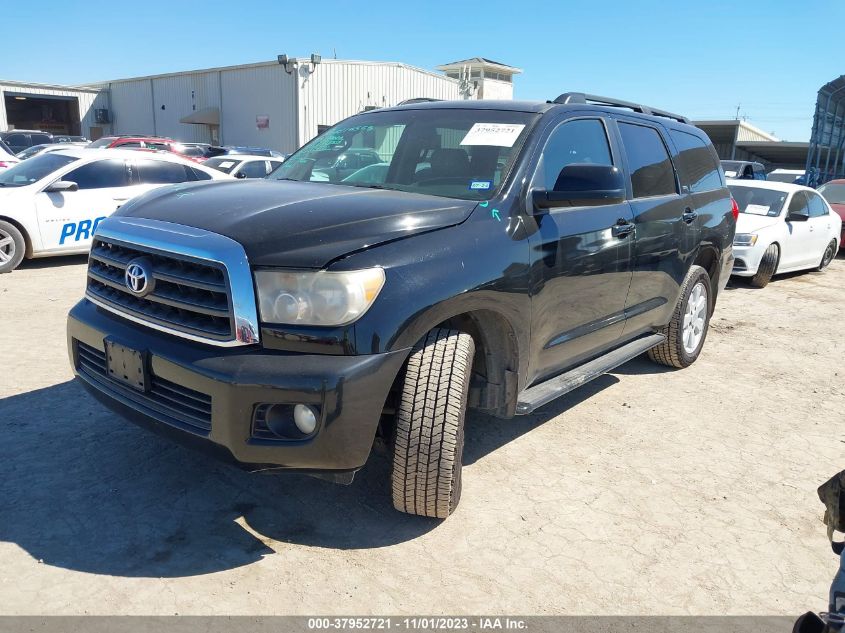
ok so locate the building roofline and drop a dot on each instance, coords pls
(738, 123)
(486, 64)
(32, 84)
(299, 60)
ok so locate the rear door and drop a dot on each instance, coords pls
(666, 227)
(821, 226)
(797, 250)
(68, 219)
(580, 265)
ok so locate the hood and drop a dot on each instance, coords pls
(750, 223)
(298, 224)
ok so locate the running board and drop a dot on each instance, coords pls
(538, 395)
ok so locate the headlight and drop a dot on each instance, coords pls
(316, 297)
(745, 239)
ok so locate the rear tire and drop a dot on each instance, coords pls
(767, 267)
(429, 436)
(829, 254)
(687, 330)
(12, 247)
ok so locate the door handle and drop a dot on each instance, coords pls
(689, 216)
(622, 228)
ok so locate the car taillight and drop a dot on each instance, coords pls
(5, 165)
(734, 208)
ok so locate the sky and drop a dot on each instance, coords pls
(702, 59)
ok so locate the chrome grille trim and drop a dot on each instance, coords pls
(176, 240)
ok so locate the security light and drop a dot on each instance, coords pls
(315, 58)
(282, 59)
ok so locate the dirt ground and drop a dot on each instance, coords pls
(646, 492)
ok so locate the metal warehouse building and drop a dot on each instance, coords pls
(57, 109)
(280, 104)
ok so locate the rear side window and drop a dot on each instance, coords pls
(18, 140)
(159, 172)
(817, 206)
(697, 163)
(100, 174)
(41, 139)
(579, 141)
(199, 174)
(651, 169)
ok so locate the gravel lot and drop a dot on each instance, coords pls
(646, 492)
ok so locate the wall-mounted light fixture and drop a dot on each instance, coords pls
(284, 61)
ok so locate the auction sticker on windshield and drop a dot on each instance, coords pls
(497, 134)
(757, 209)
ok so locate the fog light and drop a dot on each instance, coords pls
(305, 419)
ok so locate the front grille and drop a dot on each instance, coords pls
(186, 406)
(189, 296)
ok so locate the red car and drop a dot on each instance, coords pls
(834, 192)
(150, 143)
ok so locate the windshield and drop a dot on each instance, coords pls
(833, 193)
(758, 201)
(455, 153)
(222, 163)
(103, 142)
(34, 169)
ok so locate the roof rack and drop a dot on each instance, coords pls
(582, 98)
(418, 100)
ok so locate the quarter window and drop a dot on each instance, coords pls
(159, 172)
(817, 206)
(651, 169)
(698, 165)
(100, 174)
(579, 141)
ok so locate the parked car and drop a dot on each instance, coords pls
(7, 158)
(834, 192)
(19, 140)
(782, 228)
(243, 165)
(148, 143)
(29, 152)
(792, 176)
(542, 245)
(743, 170)
(65, 138)
(51, 204)
(229, 150)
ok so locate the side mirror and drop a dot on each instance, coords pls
(582, 185)
(798, 216)
(240, 174)
(61, 186)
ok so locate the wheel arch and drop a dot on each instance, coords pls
(26, 237)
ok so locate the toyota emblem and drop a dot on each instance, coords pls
(138, 277)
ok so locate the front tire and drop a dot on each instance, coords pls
(829, 254)
(12, 247)
(686, 332)
(767, 267)
(429, 436)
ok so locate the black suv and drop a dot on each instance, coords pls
(508, 253)
(19, 140)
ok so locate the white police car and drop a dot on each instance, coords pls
(51, 203)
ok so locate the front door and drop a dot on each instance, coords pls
(67, 219)
(581, 263)
(666, 227)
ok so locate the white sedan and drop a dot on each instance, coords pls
(244, 165)
(781, 228)
(50, 204)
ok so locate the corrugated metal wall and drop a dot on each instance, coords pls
(88, 100)
(338, 89)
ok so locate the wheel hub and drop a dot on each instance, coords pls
(7, 247)
(695, 317)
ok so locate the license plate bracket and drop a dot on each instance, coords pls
(127, 366)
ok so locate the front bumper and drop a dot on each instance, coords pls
(206, 397)
(747, 260)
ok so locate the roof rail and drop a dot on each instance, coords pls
(582, 98)
(418, 100)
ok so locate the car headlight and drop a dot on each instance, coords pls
(745, 239)
(316, 297)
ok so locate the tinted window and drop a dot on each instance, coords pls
(697, 163)
(159, 172)
(254, 169)
(129, 144)
(648, 160)
(99, 174)
(33, 169)
(799, 204)
(19, 140)
(222, 163)
(817, 206)
(274, 164)
(199, 174)
(103, 142)
(40, 139)
(581, 141)
(833, 193)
